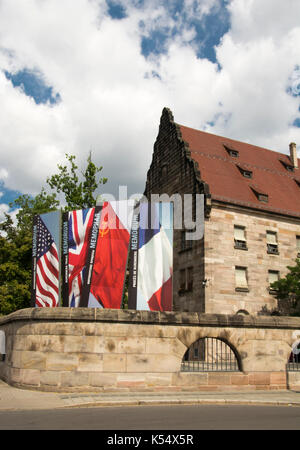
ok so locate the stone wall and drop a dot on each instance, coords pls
(71, 349)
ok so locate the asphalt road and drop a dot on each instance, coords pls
(191, 417)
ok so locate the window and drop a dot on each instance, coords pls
(287, 166)
(164, 172)
(273, 276)
(186, 244)
(260, 195)
(272, 245)
(231, 151)
(242, 312)
(240, 237)
(186, 280)
(263, 198)
(241, 282)
(244, 171)
(294, 359)
(298, 246)
(210, 355)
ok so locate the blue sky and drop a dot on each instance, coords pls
(96, 74)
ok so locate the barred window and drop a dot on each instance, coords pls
(240, 237)
(210, 355)
(272, 244)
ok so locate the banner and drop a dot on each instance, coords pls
(151, 258)
(108, 254)
(95, 245)
(76, 230)
(92, 246)
(45, 260)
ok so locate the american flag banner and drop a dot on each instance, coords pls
(45, 289)
(79, 229)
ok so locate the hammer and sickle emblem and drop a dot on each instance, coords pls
(104, 227)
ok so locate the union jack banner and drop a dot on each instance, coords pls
(45, 266)
(79, 228)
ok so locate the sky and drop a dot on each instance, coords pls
(94, 75)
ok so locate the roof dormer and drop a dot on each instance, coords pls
(245, 171)
(287, 165)
(231, 151)
(260, 194)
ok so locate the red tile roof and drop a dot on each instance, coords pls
(227, 182)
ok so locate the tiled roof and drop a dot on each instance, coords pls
(268, 176)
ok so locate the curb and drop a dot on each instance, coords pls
(169, 402)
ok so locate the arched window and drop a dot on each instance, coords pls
(210, 355)
(242, 312)
(294, 359)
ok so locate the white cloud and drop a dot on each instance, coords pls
(108, 103)
(3, 209)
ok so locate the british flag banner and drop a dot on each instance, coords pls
(45, 260)
(151, 258)
(76, 230)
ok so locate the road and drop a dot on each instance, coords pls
(177, 417)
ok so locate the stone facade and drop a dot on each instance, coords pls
(86, 349)
(221, 258)
(212, 261)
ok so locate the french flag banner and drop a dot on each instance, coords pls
(151, 258)
(107, 255)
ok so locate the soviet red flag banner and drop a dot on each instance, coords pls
(107, 257)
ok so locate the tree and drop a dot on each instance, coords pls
(78, 194)
(16, 240)
(288, 291)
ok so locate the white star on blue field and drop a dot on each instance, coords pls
(94, 75)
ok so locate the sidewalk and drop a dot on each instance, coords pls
(12, 398)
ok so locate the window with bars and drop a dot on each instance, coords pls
(210, 355)
(272, 244)
(240, 237)
(293, 364)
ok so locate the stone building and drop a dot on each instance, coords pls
(252, 217)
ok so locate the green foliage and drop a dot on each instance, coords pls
(78, 194)
(16, 240)
(28, 207)
(288, 291)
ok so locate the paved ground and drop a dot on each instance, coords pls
(152, 418)
(12, 398)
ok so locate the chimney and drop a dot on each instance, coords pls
(293, 155)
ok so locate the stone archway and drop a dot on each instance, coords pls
(210, 354)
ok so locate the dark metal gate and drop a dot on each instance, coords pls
(294, 360)
(209, 355)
